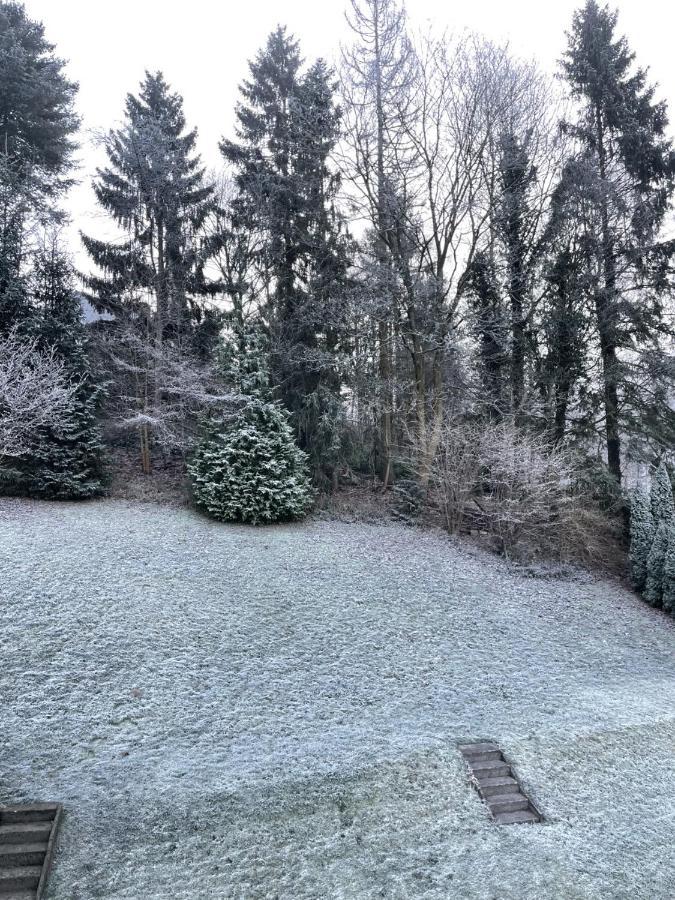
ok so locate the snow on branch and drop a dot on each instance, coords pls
(35, 392)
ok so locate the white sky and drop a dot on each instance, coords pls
(202, 46)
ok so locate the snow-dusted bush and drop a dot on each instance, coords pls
(653, 593)
(668, 599)
(454, 474)
(641, 537)
(510, 483)
(661, 496)
(526, 497)
(35, 392)
(249, 468)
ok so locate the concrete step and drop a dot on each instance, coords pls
(495, 786)
(38, 812)
(518, 817)
(19, 878)
(22, 854)
(491, 768)
(501, 803)
(28, 833)
(480, 751)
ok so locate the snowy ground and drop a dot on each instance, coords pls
(231, 713)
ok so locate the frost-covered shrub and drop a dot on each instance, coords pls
(455, 474)
(661, 496)
(525, 488)
(249, 468)
(655, 563)
(641, 537)
(668, 599)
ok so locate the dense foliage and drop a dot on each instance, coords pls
(652, 541)
(423, 245)
(641, 537)
(249, 468)
(62, 456)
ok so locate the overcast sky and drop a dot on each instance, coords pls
(202, 46)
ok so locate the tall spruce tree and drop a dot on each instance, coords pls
(152, 278)
(626, 166)
(287, 127)
(154, 188)
(37, 128)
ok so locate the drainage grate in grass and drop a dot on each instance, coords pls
(497, 785)
(27, 836)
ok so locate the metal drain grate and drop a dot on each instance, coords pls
(497, 785)
(27, 837)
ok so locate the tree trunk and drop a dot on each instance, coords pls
(160, 290)
(605, 304)
(385, 439)
(385, 403)
(517, 351)
(561, 393)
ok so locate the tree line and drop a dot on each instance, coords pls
(432, 236)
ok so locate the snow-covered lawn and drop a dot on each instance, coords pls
(237, 713)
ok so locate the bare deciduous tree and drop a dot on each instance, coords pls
(142, 372)
(376, 78)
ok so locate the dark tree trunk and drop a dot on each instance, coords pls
(605, 304)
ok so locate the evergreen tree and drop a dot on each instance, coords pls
(154, 189)
(661, 496)
(489, 326)
(288, 125)
(669, 573)
(514, 227)
(626, 170)
(563, 323)
(249, 468)
(654, 583)
(67, 461)
(641, 537)
(37, 128)
(244, 362)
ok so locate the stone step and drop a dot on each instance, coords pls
(19, 878)
(38, 812)
(28, 833)
(497, 784)
(22, 854)
(480, 751)
(501, 803)
(491, 768)
(520, 816)
(494, 786)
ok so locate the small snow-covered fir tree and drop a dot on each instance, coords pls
(661, 496)
(668, 600)
(653, 593)
(641, 537)
(249, 468)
